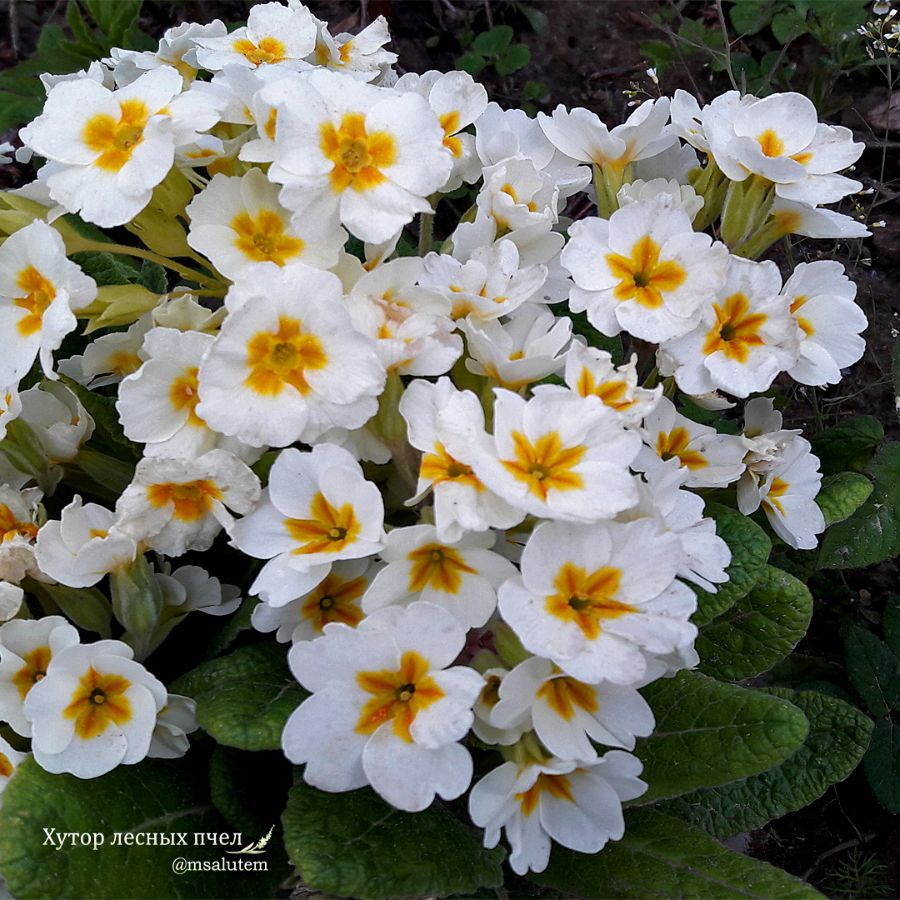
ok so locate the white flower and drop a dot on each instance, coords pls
(10, 407)
(107, 150)
(528, 346)
(83, 546)
(580, 134)
(789, 217)
(490, 284)
(191, 588)
(11, 598)
(10, 760)
(350, 153)
(7, 151)
(578, 805)
(317, 509)
(39, 288)
(645, 270)
(177, 48)
(20, 517)
(745, 337)
(337, 598)
(678, 196)
(515, 194)
(157, 404)
(385, 710)
(568, 714)
(109, 357)
(274, 35)
(461, 577)
(238, 223)
(787, 494)
(174, 722)
(487, 700)
(590, 373)
(461, 501)
(95, 709)
(57, 418)
(458, 100)
(556, 455)
(176, 505)
(409, 324)
(359, 55)
(588, 600)
(26, 648)
(822, 303)
(712, 459)
(288, 364)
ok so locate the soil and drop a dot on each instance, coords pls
(588, 55)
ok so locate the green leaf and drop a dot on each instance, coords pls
(244, 699)
(472, 63)
(153, 796)
(842, 494)
(874, 671)
(537, 19)
(612, 345)
(848, 445)
(750, 548)
(516, 57)
(153, 277)
(788, 25)
(895, 368)
(892, 624)
(838, 736)
(356, 845)
(751, 16)
(758, 631)
(709, 733)
(106, 268)
(664, 857)
(108, 433)
(872, 534)
(493, 42)
(882, 764)
(86, 607)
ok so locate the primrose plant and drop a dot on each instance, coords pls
(481, 471)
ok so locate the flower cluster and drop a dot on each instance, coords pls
(478, 523)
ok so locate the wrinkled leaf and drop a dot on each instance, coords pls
(841, 495)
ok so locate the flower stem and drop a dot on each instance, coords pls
(124, 250)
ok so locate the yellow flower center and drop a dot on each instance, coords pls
(183, 395)
(556, 785)
(439, 466)
(6, 767)
(770, 143)
(643, 278)
(805, 325)
(545, 465)
(736, 329)
(563, 694)
(439, 567)
(397, 696)
(11, 527)
(450, 123)
(587, 599)
(334, 600)
(612, 393)
(777, 489)
(35, 668)
(116, 141)
(125, 363)
(97, 701)
(192, 500)
(263, 239)
(675, 444)
(327, 530)
(268, 50)
(282, 358)
(358, 156)
(38, 294)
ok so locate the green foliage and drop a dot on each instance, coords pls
(709, 733)
(758, 631)
(494, 48)
(874, 669)
(841, 495)
(356, 845)
(859, 874)
(115, 24)
(86, 607)
(244, 699)
(153, 796)
(849, 445)
(664, 857)
(750, 549)
(872, 533)
(838, 736)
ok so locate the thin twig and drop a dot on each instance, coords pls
(727, 44)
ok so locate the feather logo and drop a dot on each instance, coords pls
(256, 846)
